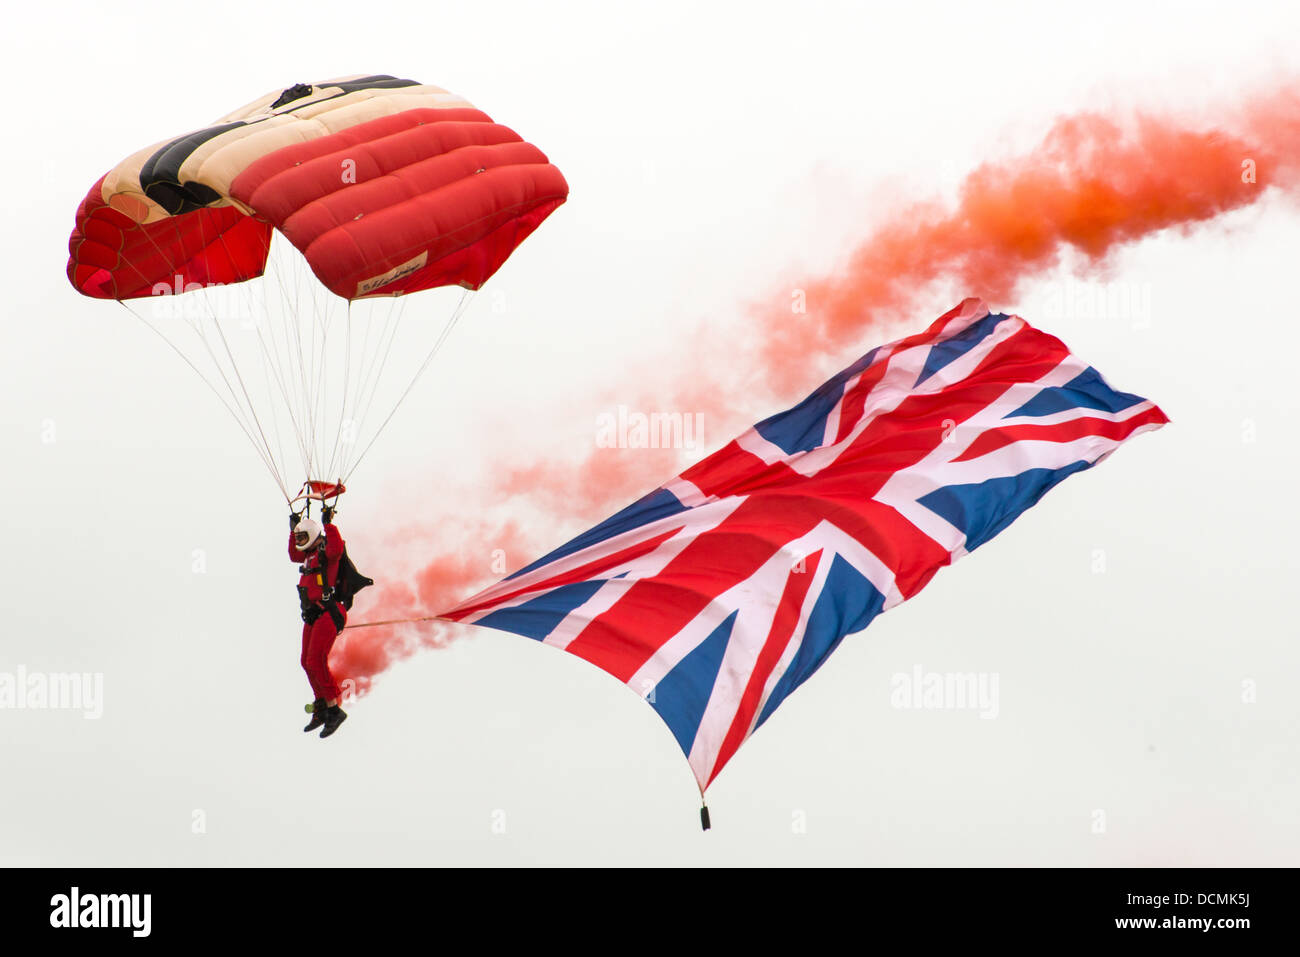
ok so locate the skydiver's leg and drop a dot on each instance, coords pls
(323, 636)
(305, 661)
(318, 708)
(316, 660)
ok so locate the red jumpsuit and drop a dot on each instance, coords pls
(318, 637)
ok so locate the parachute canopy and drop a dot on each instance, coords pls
(386, 186)
(376, 187)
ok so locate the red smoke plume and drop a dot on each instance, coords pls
(1093, 184)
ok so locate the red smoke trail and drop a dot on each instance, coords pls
(1093, 185)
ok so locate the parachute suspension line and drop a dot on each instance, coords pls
(342, 411)
(293, 334)
(272, 361)
(196, 326)
(235, 368)
(437, 346)
(197, 329)
(347, 378)
(249, 295)
(315, 353)
(367, 362)
(190, 362)
(379, 360)
(237, 411)
(323, 317)
(299, 412)
(289, 334)
(302, 328)
(315, 383)
(392, 322)
(343, 408)
(323, 388)
(306, 361)
(216, 392)
(269, 370)
(315, 348)
(242, 418)
(324, 322)
(365, 366)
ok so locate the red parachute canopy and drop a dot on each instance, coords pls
(377, 187)
(386, 186)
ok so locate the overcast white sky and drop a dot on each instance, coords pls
(708, 149)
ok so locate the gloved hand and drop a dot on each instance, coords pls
(327, 514)
(293, 520)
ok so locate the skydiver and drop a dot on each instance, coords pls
(323, 614)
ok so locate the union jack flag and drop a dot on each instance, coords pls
(718, 594)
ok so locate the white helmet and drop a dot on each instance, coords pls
(305, 527)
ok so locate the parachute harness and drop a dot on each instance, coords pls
(312, 610)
